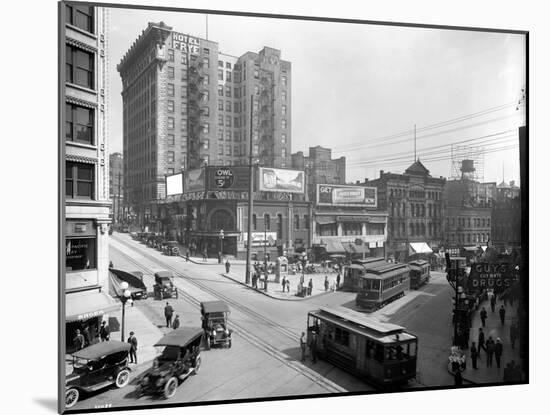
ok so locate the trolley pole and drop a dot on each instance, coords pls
(250, 190)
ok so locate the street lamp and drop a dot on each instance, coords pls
(221, 236)
(124, 297)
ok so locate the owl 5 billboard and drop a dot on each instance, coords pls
(281, 180)
(339, 195)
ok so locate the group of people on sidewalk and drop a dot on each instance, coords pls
(168, 313)
(312, 347)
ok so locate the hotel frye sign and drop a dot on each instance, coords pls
(185, 43)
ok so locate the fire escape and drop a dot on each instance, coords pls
(195, 98)
(265, 120)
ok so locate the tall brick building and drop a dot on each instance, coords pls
(187, 104)
(116, 185)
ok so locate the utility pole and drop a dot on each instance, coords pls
(250, 190)
(118, 201)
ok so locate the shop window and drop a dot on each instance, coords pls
(80, 253)
(296, 222)
(79, 67)
(79, 125)
(267, 222)
(79, 180)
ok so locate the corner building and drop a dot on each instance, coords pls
(186, 104)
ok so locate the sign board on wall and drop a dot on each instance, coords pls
(491, 275)
(193, 181)
(281, 180)
(185, 43)
(261, 238)
(341, 195)
(174, 184)
(227, 178)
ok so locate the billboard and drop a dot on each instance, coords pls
(261, 238)
(193, 181)
(498, 276)
(174, 184)
(341, 195)
(227, 178)
(281, 180)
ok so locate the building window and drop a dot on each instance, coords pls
(220, 104)
(206, 51)
(171, 139)
(183, 58)
(228, 135)
(296, 222)
(79, 124)
(206, 143)
(228, 105)
(205, 111)
(283, 110)
(228, 91)
(183, 91)
(256, 92)
(236, 151)
(255, 149)
(80, 253)
(206, 159)
(220, 149)
(283, 124)
(283, 80)
(228, 150)
(306, 221)
(79, 67)
(375, 228)
(171, 72)
(352, 228)
(170, 90)
(228, 121)
(220, 74)
(283, 95)
(206, 80)
(205, 128)
(256, 74)
(170, 106)
(228, 65)
(228, 76)
(220, 135)
(220, 90)
(79, 180)
(205, 96)
(81, 17)
(169, 156)
(220, 64)
(170, 123)
(283, 138)
(206, 62)
(283, 152)
(220, 119)
(267, 222)
(171, 55)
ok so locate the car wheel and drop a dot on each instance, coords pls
(122, 378)
(170, 387)
(71, 397)
(197, 365)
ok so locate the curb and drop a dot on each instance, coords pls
(294, 298)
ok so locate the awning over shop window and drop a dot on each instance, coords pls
(420, 248)
(353, 219)
(333, 246)
(84, 307)
(325, 220)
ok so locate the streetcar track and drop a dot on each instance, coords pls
(245, 333)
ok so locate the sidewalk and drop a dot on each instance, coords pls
(492, 328)
(275, 290)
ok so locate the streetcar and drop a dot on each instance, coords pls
(419, 274)
(381, 285)
(382, 353)
(353, 273)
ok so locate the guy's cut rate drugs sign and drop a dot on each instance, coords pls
(488, 275)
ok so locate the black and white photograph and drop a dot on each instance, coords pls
(269, 207)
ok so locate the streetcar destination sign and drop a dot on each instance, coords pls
(491, 275)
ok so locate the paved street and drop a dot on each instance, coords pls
(264, 359)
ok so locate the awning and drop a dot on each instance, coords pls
(84, 307)
(420, 248)
(377, 219)
(333, 246)
(353, 219)
(325, 220)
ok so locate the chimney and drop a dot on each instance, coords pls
(381, 173)
(357, 182)
(366, 179)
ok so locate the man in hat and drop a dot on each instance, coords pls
(303, 346)
(78, 340)
(498, 351)
(313, 346)
(168, 312)
(133, 347)
(104, 332)
(176, 322)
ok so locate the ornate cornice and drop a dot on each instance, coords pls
(81, 102)
(80, 159)
(80, 45)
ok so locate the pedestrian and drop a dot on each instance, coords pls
(483, 316)
(168, 312)
(338, 281)
(303, 346)
(498, 352)
(502, 314)
(104, 332)
(310, 286)
(493, 303)
(458, 378)
(313, 347)
(176, 322)
(326, 283)
(333, 285)
(283, 283)
(287, 285)
(227, 266)
(204, 255)
(480, 341)
(474, 355)
(187, 256)
(133, 347)
(219, 257)
(87, 335)
(490, 348)
(111, 264)
(79, 341)
(265, 282)
(513, 334)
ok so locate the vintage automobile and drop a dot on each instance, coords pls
(179, 359)
(171, 248)
(136, 286)
(214, 323)
(164, 285)
(96, 367)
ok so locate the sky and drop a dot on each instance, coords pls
(362, 89)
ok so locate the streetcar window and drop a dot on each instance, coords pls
(379, 352)
(341, 336)
(411, 349)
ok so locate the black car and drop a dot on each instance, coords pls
(214, 323)
(164, 285)
(96, 367)
(179, 359)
